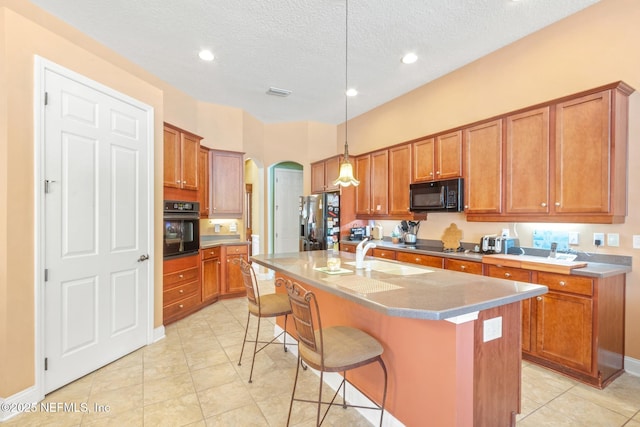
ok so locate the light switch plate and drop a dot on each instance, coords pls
(613, 239)
(492, 329)
(636, 241)
(574, 238)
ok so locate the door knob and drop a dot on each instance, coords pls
(143, 257)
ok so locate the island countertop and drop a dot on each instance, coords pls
(401, 289)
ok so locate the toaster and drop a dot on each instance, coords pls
(498, 245)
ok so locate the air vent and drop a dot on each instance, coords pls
(278, 92)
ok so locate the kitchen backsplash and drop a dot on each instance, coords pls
(228, 228)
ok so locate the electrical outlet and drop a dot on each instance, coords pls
(492, 329)
(574, 238)
(636, 241)
(598, 239)
(613, 239)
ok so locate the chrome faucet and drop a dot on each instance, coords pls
(361, 252)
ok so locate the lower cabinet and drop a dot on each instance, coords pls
(181, 288)
(383, 253)
(472, 267)
(210, 269)
(231, 274)
(426, 260)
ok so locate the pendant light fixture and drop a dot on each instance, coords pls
(346, 177)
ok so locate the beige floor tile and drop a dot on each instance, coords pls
(633, 423)
(135, 417)
(245, 416)
(217, 400)
(585, 412)
(109, 403)
(206, 358)
(168, 388)
(112, 379)
(622, 396)
(179, 411)
(214, 376)
(167, 365)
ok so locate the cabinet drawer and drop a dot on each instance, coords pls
(234, 250)
(180, 306)
(210, 253)
(344, 247)
(179, 292)
(463, 266)
(564, 283)
(428, 260)
(510, 273)
(182, 276)
(384, 253)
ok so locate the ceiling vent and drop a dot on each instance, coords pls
(278, 92)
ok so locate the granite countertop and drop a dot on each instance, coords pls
(402, 289)
(593, 269)
(210, 243)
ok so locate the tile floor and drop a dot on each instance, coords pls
(191, 378)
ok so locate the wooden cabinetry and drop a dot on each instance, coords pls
(232, 284)
(421, 259)
(438, 157)
(181, 150)
(348, 247)
(483, 168)
(203, 180)
(399, 179)
(383, 253)
(181, 288)
(210, 273)
(324, 173)
(372, 193)
(227, 184)
(472, 267)
(578, 326)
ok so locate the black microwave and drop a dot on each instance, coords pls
(437, 196)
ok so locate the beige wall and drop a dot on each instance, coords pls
(592, 48)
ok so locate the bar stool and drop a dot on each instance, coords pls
(270, 305)
(331, 349)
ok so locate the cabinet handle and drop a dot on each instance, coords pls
(462, 267)
(562, 283)
(543, 204)
(437, 172)
(181, 291)
(539, 298)
(557, 203)
(180, 276)
(466, 206)
(507, 274)
(181, 306)
(178, 182)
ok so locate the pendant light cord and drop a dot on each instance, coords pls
(346, 77)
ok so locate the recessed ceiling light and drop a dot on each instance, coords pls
(351, 92)
(206, 55)
(409, 58)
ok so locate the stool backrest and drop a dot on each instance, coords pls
(249, 280)
(304, 308)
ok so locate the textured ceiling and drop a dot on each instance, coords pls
(300, 45)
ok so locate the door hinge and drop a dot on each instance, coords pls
(46, 363)
(46, 98)
(46, 274)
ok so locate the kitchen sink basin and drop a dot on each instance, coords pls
(391, 268)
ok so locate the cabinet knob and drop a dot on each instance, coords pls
(466, 206)
(181, 276)
(181, 291)
(181, 306)
(178, 182)
(431, 173)
(543, 204)
(507, 274)
(539, 298)
(462, 267)
(184, 182)
(557, 203)
(437, 172)
(562, 283)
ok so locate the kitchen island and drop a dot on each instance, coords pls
(451, 340)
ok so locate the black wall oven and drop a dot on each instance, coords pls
(181, 228)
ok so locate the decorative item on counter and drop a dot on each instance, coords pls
(451, 238)
(333, 263)
(376, 232)
(395, 236)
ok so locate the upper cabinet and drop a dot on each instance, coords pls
(372, 193)
(227, 184)
(483, 168)
(203, 180)
(438, 157)
(324, 173)
(181, 150)
(399, 179)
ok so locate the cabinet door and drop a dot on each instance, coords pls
(380, 182)
(172, 176)
(463, 266)
(424, 160)
(189, 161)
(383, 253)
(227, 182)
(399, 179)
(203, 181)
(318, 177)
(331, 172)
(527, 162)
(582, 154)
(210, 278)
(483, 168)
(449, 155)
(564, 329)
(426, 260)
(234, 282)
(363, 191)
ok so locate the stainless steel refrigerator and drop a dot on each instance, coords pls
(319, 221)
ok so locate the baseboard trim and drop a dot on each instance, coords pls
(354, 396)
(19, 403)
(158, 334)
(632, 366)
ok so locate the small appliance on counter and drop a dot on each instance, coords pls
(492, 244)
(358, 233)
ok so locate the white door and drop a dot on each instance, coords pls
(287, 192)
(97, 210)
